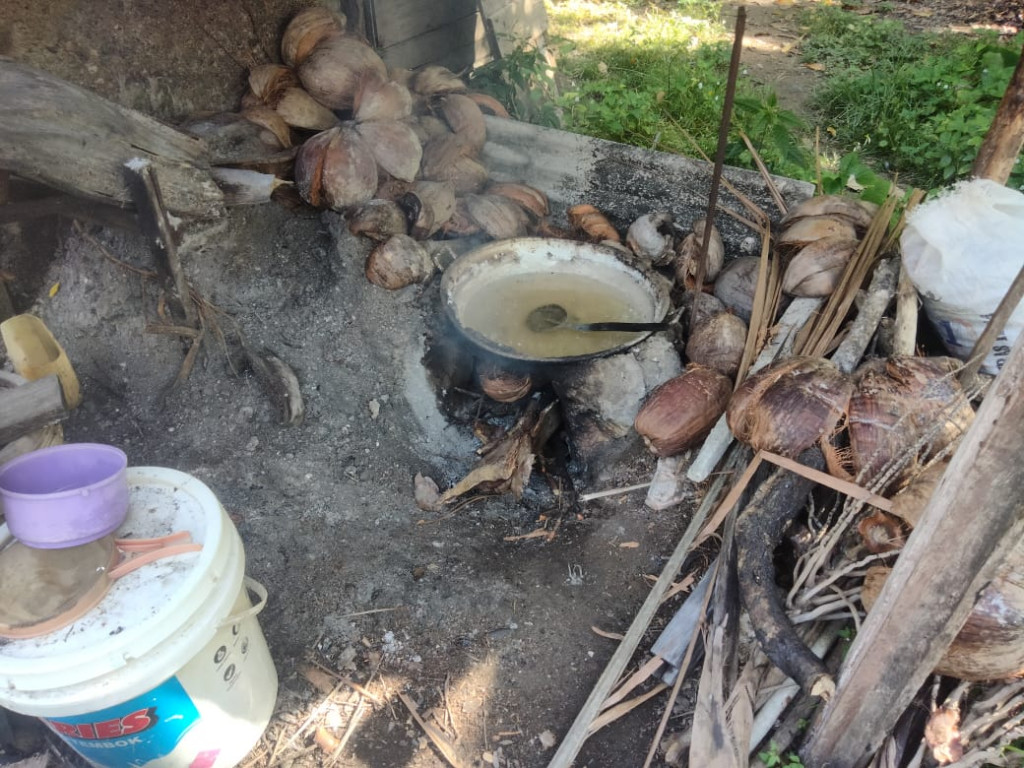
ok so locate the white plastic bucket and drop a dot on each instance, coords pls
(171, 669)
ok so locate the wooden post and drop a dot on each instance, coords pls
(973, 518)
(1005, 138)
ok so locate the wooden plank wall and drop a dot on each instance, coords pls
(410, 33)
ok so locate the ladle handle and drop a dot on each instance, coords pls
(620, 326)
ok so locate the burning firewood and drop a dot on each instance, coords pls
(506, 467)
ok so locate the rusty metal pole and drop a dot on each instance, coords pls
(723, 143)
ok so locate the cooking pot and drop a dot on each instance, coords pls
(487, 294)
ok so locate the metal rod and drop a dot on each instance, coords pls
(723, 141)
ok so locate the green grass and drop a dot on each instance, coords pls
(653, 75)
(920, 105)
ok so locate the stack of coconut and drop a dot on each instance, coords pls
(396, 150)
(816, 242)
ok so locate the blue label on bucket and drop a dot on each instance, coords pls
(133, 733)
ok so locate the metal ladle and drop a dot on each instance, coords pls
(551, 317)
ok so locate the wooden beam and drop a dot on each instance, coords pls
(974, 517)
(1005, 138)
(76, 141)
(30, 406)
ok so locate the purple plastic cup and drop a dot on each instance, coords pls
(65, 495)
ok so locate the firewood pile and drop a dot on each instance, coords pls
(843, 432)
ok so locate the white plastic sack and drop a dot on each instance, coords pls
(962, 250)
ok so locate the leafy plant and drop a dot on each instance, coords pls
(774, 132)
(524, 82)
(771, 758)
(919, 104)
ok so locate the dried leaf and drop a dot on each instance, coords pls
(319, 679)
(326, 740)
(507, 467)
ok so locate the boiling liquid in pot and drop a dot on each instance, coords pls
(499, 313)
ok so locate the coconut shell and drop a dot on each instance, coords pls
(268, 82)
(440, 154)
(394, 145)
(336, 68)
(460, 223)
(336, 169)
(736, 285)
(804, 231)
(433, 80)
(718, 343)
(679, 414)
(817, 269)
(435, 204)
(428, 127)
(531, 199)
(689, 249)
(900, 403)
(788, 407)
(230, 136)
(857, 212)
(465, 119)
(588, 222)
(445, 159)
(300, 110)
(306, 29)
(707, 306)
(910, 502)
(489, 105)
(382, 100)
(499, 217)
(378, 220)
(398, 262)
(651, 237)
(990, 645)
(505, 386)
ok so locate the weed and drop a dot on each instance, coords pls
(524, 82)
(919, 104)
(773, 759)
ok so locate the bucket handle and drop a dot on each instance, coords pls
(261, 592)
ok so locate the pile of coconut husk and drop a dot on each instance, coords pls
(834, 432)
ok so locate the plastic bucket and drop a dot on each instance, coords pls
(171, 669)
(65, 495)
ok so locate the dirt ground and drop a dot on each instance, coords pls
(495, 635)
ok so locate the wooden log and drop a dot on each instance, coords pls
(972, 520)
(905, 335)
(758, 533)
(74, 140)
(1005, 138)
(30, 406)
(879, 295)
